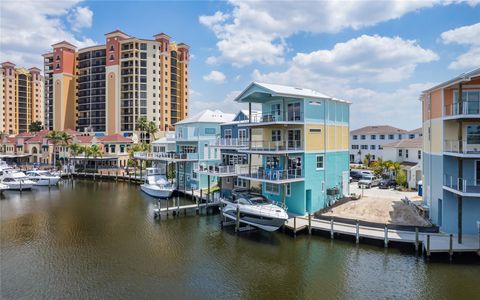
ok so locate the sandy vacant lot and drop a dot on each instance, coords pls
(380, 206)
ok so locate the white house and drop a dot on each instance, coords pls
(408, 153)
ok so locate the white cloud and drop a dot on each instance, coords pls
(80, 17)
(29, 28)
(255, 31)
(468, 36)
(215, 76)
(225, 104)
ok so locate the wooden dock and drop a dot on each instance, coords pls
(430, 242)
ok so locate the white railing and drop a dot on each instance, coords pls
(271, 174)
(219, 169)
(166, 155)
(460, 184)
(468, 108)
(461, 146)
(275, 146)
(226, 142)
(277, 116)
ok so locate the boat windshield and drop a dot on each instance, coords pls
(259, 200)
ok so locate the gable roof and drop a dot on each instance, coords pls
(208, 116)
(406, 143)
(467, 76)
(114, 138)
(378, 129)
(416, 131)
(288, 91)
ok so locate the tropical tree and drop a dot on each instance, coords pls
(75, 149)
(142, 125)
(86, 153)
(55, 137)
(367, 160)
(151, 130)
(65, 139)
(401, 178)
(35, 126)
(95, 151)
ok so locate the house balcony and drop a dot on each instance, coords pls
(229, 143)
(460, 186)
(166, 156)
(274, 118)
(220, 170)
(268, 147)
(469, 110)
(272, 176)
(460, 148)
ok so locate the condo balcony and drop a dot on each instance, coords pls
(461, 186)
(461, 148)
(230, 143)
(269, 147)
(467, 109)
(259, 173)
(220, 170)
(277, 117)
(166, 156)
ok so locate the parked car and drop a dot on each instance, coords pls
(387, 183)
(368, 181)
(356, 175)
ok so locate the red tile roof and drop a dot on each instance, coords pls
(378, 129)
(114, 138)
(406, 143)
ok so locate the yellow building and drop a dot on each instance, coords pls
(21, 94)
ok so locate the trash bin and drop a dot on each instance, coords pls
(420, 188)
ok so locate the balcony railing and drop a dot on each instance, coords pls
(221, 169)
(269, 146)
(227, 142)
(468, 108)
(274, 117)
(261, 173)
(166, 155)
(461, 185)
(461, 146)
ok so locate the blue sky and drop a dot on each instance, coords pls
(378, 54)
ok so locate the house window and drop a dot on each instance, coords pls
(362, 137)
(354, 147)
(364, 147)
(382, 136)
(276, 135)
(419, 155)
(289, 190)
(319, 162)
(399, 136)
(373, 157)
(406, 153)
(227, 134)
(411, 136)
(242, 134)
(400, 152)
(390, 137)
(209, 131)
(473, 134)
(380, 147)
(372, 147)
(272, 188)
(355, 137)
(373, 137)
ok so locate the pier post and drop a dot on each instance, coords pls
(331, 229)
(159, 209)
(208, 195)
(237, 220)
(357, 233)
(178, 205)
(295, 226)
(450, 247)
(48, 183)
(193, 197)
(167, 207)
(385, 231)
(198, 206)
(309, 224)
(201, 195)
(416, 240)
(21, 186)
(116, 175)
(428, 247)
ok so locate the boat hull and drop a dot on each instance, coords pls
(156, 192)
(262, 222)
(14, 186)
(45, 181)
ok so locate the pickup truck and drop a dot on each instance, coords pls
(368, 181)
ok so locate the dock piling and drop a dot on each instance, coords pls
(331, 229)
(295, 226)
(357, 233)
(385, 230)
(237, 220)
(416, 240)
(450, 247)
(309, 224)
(428, 247)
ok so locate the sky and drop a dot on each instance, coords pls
(380, 55)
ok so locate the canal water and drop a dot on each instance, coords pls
(94, 240)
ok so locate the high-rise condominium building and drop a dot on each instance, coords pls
(21, 98)
(107, 88)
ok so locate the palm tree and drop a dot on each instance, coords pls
(55, 137)
(95, 152)
(368, 159)
(142, 125)
(86, 152)
(65, 139)
(75, 149)
(151, 130)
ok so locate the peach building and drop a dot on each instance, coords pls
(21, 98)
(107, 88)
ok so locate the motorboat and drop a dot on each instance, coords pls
(157, 185)
(17, 181)
(42, 178)
(255, 210)
(3, 187)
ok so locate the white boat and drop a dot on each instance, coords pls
(3, 187)
(157, 185)
(17, 181)
(42, 178)
(255, 210)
